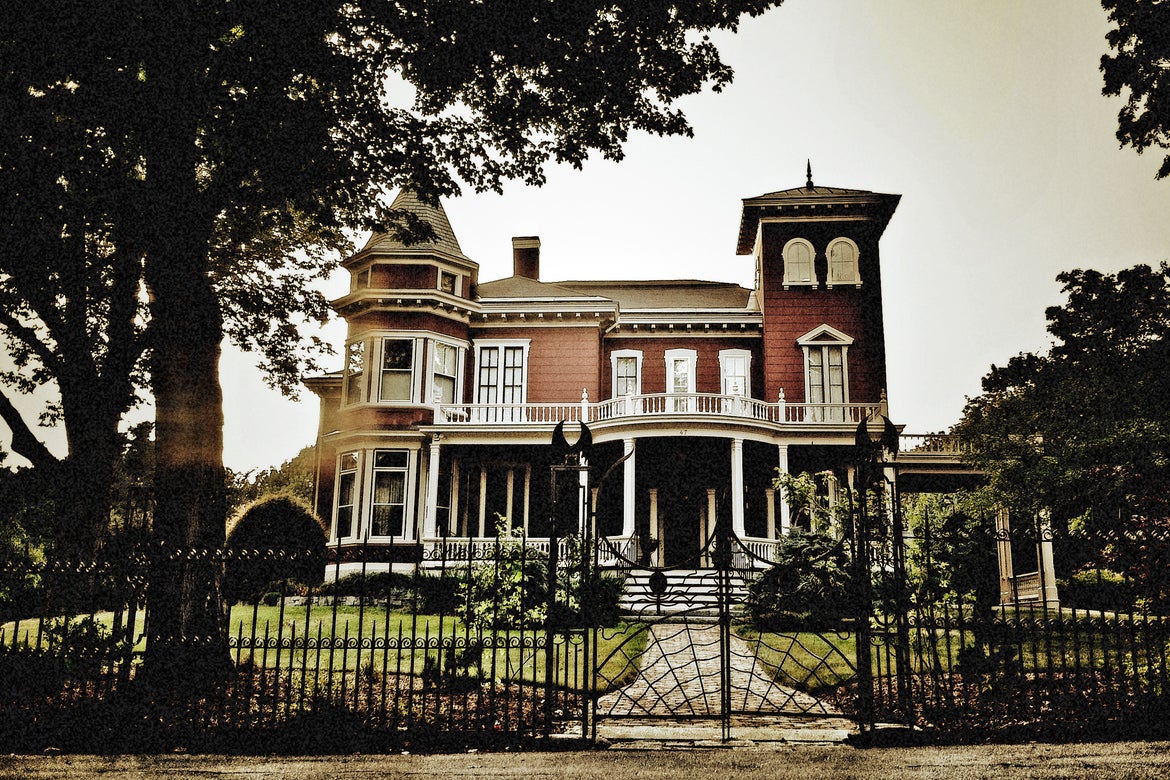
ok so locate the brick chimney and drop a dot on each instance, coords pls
(526, 257)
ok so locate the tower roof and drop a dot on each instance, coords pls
(444, 243)
(811, 201)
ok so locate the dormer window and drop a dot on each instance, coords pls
(842, 255)
(798, 264)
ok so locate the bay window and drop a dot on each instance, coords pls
(397, 380)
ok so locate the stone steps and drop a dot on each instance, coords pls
(671, 591)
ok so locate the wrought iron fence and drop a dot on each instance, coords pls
(487, 648)
(966, 660)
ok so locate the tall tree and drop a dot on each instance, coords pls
(251, 116)
(71, 312)
(1139, 70)
(1085, 429)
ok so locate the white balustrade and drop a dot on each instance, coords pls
(659, 404)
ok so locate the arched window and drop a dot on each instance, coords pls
(798, 263)
(843, 254)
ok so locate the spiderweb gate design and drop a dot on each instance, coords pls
(697, 657)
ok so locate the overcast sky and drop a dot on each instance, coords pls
(985, 115)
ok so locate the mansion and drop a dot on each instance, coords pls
(440, 423)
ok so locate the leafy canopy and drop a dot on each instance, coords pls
(1085, 428)
(1139, 70)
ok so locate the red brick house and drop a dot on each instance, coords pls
(442, 416)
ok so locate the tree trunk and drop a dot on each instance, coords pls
(187, 646)
(187, 641)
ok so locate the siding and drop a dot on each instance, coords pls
(561, 361)
(707, 377)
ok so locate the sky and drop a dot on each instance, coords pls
(985, 115)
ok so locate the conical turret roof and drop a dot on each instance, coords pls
(444, 243)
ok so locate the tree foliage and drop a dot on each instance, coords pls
(1085, 427)
(277, 538)
(230, 132)
(1137, 69)
(296, 477)
(809, 585)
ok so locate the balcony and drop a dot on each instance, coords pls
(708, 406)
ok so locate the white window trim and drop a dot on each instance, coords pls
(355, 523)
(364, 382)
(480, 345)
(819, 338)
(724, 355)
(691, 356)
(460, 359)
(416, 366)
(458, 291)
(367, 515)
(856, 280)
(812, 280)
(613, 372)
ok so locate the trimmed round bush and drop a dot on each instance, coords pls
(275, 540)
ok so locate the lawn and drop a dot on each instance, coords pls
(347, 638)
(806, 660)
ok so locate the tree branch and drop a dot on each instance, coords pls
(24, 442)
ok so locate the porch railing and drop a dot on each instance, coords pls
(609, 549)
(930, 444)
(659, 404)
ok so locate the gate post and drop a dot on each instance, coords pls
(868, 449)
(723, 557)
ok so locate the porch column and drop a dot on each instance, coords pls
(431, 510)
(453, 516)
(785, 509)
(628, 490)
(708, 525)
(737, 526)
(482, 498)
(770, 507)
(509, 498)
(527, 493)
(655, 531)
(1044, 561)
(1003, 554)
(583, 496)
(593, 512)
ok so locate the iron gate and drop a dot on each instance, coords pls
(698, 656)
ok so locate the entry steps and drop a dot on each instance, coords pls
(694, 591)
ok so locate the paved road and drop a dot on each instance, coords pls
(1141, 761)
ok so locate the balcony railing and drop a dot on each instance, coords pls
(659, 405)
(930, 444)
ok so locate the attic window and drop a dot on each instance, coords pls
(798, 264)
(843, 254)
(448, 282)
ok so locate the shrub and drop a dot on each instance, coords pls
(808, 587)
(371, 585)
(508, 592)
(1096, 589)
(277, 538)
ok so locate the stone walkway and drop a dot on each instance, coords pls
(680, 674)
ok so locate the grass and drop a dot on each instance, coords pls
(618, 653)
(348, 638)
(806, 660)
(1019, 643)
